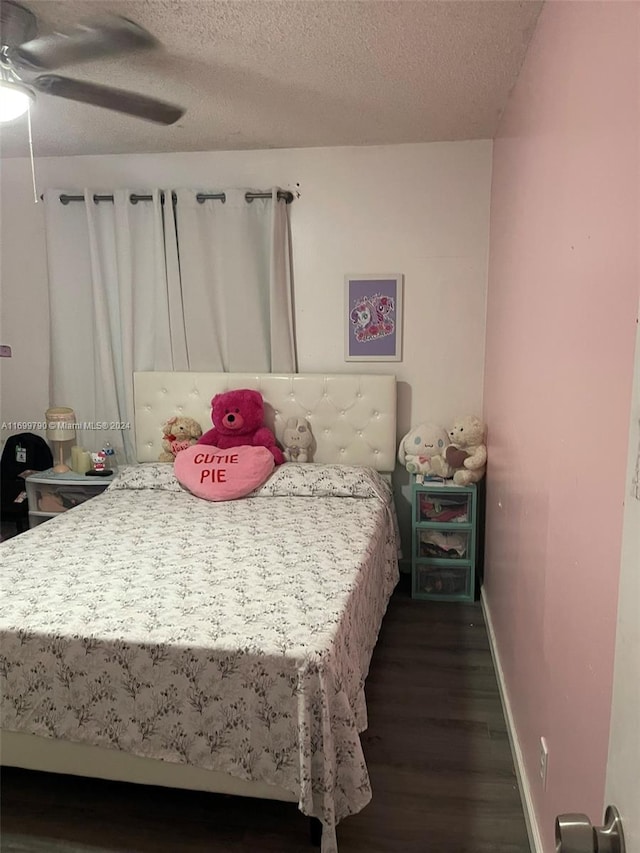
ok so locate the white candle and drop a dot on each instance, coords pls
(76, 457)
(84, 463)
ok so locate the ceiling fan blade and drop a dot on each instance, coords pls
(17, 24)
(120, 100)
(81, 43)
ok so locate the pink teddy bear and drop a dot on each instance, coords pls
(237, 418)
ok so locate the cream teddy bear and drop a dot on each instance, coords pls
(297, 440)
(467, 452)
(177, 434)
(421, 451)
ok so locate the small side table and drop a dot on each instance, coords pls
(50, 494)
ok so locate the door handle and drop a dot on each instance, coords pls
(576, 834)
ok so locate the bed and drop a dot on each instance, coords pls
(149, 636)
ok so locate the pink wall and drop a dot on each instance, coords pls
(562, 308)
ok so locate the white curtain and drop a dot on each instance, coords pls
(147, 286)
(115, 307)
(236, 282)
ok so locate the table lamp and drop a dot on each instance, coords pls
(60, 428)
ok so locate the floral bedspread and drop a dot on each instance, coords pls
(233, 636)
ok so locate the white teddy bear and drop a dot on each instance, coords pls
(467, 452)
(422, 449)
(297, 440)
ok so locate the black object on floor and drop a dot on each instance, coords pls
(22, 452)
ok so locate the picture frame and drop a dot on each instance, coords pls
(373, 317)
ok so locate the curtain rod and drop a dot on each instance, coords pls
(283, 195)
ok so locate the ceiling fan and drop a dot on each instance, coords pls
(23, 53)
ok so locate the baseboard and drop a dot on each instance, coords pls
(533, 830)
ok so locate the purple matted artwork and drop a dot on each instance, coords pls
(373, 322)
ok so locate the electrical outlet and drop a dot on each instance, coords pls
(544, 762)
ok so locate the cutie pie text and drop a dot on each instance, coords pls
(214, 475)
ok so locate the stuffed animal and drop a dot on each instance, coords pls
(421, 451)
(237, 418)
(177, 434)
(467, 452)
(297, 440)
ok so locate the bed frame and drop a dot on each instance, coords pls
(353, 420)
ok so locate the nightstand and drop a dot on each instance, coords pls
(49, 494)
(444, 540)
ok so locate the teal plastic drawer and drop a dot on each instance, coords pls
(436, 507)
(438, 582)
(443, 544)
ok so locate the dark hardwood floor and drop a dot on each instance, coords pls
(436, 748)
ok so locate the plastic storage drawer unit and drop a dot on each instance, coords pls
(444, 541)
(50, 494)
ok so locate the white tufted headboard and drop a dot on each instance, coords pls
(352, 417)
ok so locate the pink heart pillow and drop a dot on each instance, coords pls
(222, 475)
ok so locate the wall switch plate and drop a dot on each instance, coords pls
(5, 351)
(544, 762)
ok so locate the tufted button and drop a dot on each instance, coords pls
(376, 452)
(291, 395)
(309, 414)
(342, 411)
(180, 409)
(195, 392)
(359, 432)
(149, 444)
(164, 391)
(342, 450)
(276, 412)
(376, 414)
(359, 394)
(148, 408)
(326, 432)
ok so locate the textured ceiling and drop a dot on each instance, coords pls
(291, 73)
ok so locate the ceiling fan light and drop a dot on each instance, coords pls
(15, 100)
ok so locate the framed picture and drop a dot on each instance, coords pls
(373, 317)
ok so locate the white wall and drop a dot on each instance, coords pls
(421, 210)
(24, 302)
